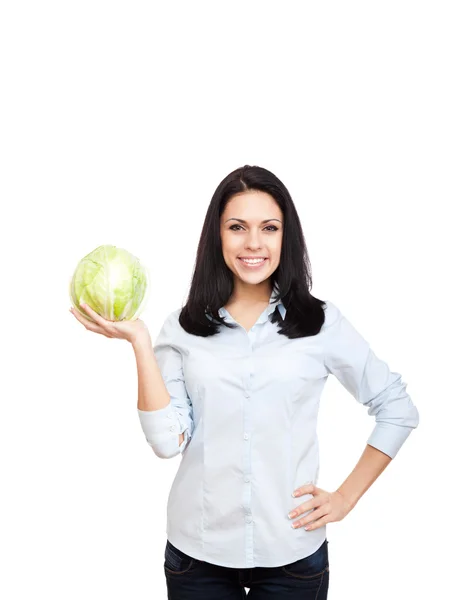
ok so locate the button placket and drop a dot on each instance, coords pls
(170, 416)
(248, 358)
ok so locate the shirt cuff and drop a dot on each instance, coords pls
(389, 438)
(157, 422)
(185, 441)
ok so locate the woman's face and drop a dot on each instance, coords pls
(252, 227)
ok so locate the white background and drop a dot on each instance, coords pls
(118, 121)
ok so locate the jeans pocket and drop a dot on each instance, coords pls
(176, 561)
(311, 566)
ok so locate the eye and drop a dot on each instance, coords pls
(273, 227)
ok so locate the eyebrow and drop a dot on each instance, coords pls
(242, 220)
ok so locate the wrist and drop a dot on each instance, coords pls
(141, 341)
(350, 499)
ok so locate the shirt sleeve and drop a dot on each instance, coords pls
(349, 357)
(162, 427)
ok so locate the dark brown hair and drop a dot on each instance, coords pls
(212, 281)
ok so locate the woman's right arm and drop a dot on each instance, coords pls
(152, 393)
(164, 407)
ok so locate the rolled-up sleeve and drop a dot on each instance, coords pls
(162, 427)
(369, 380)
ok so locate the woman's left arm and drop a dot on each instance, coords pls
(334, 506)
(370, 466)
(348, 356)
(370, 381)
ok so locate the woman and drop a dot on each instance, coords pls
(233, 384)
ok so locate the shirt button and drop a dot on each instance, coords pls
(172, 428)
(247, 394)
(170, 416)
(247, 480)
(249, 519)
(246, 436)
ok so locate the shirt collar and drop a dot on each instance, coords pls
(273, 302)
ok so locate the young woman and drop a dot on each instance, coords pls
(233, 384)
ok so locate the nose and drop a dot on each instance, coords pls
(253, 241)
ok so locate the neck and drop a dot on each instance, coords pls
(251, 293)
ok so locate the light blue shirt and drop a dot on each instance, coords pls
(247, 403)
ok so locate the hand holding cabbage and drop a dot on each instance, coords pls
(114, 287)
(131, 331)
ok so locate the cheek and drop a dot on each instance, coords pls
(276, 249)
(231, 247)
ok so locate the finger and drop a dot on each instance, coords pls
(88, 324)
(315, 502)
(95, 316)
(314, 516)
(319, 523)
(306, 488)
(89, 311)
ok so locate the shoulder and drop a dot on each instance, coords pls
(340, 332)
(170, 323)
(170, 329)
(172, 319)
(332, 314)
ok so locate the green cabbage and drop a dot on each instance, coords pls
(112, 282)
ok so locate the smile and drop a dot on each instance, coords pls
(254, 263)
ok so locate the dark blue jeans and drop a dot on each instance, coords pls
(190, 579)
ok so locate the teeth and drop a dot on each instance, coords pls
(253, 261)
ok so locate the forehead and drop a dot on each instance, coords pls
(252, 205)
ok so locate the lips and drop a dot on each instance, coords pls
(254, 265)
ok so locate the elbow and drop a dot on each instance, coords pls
(173, 446)
(165, 446)
(169, 445)
(394, 405)
(414, 417)
(166, 450)
(409, 417)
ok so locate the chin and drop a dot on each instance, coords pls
(254, 277)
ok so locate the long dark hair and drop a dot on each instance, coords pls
(213, 283)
